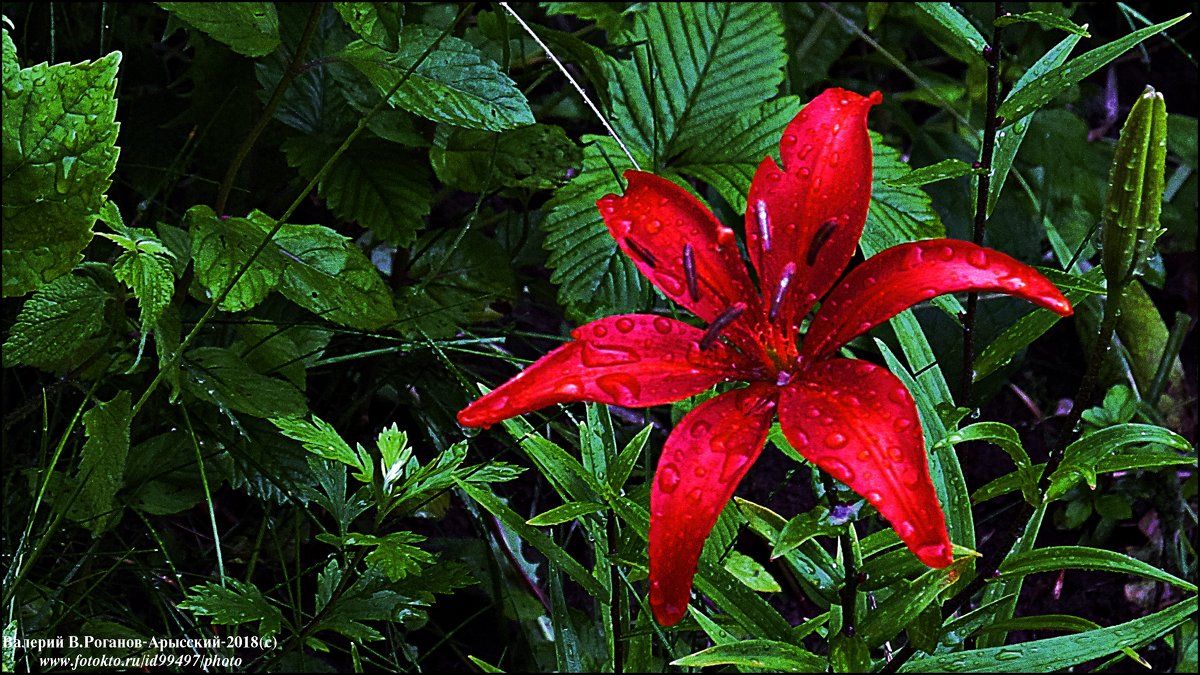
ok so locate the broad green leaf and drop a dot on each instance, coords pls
(219, 376)
(235, 603)
(55, 322)
(102, 463)
(594, 278)
(148, 272)
(695, 67)
(899, 213)
(765, 654)
(802, 528)
(320, 438)
(537, 156)
(220, 247)
(849, 654)
(968, 37)
(287, 350)
(1058, 653)
(564, 513)
(897, 562)
(249, 28)
(814, 569)
(943, 170)
(728, 158)
(375, 22)
(1044, 18)
(376, 184)
(1055, 558)
(1042, 90)
(1061, 622)
(59, 152)
(903, 605)
(454, 84)
(457, 280)
(547, 546)
(1008, 141)
(751, 572)
(1081, 457)
(394, 554)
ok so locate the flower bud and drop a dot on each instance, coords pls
(1135, 189)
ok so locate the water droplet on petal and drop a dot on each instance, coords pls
(597, 356)
(905, 529)
(835, 441)
(799, 439)
(625, 324)
(623, 388)
(901, 424)
(700, 429)
(668, 478)
(978, 259)
(894, 453)
(654, 226)
(662, 324)
(874, 497)
(839, 470)
(600, 331)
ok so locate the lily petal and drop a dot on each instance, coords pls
(703, 461)
(857, 421)
(900, 277)
(685, 251)
(803, 222)
(629, 360)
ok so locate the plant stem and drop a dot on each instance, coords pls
(268, 112)
(991, 55)
(848, 596)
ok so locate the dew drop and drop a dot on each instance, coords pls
(569, 388)
(835, 441)
(799, 439)
(700, 429)
(905, 529)
(600, 331)
(735, 464)
(898, 395)
(625, 324)
(596, 356)
(894, 453)
(1012, 284)
(654, 226)
(901, 425)
(813, 411)
(874, 497)
(978, 259)
(624, 389)
(662, 325)
(946, 253)
(669, 283)
(668, 478)
(839, 470)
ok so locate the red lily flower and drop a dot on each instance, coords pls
(849, 417)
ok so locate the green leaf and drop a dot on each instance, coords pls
(943, 170)
(553, 552)
(59, 152)
(287, 350)
(751, 572)
(249, 28)
(220, 247)
(802, 528)
(1009, 140)
(904, 605)
(235, 603)
(1059, 653)
(627, 460)
(538, 156)
(458, 279)
(698, 66)
(769, 655)
(564, 513)
(849, 654)
(1081, 457)
(320, 438)
(899, 213)
(55, 323)
(149, 274)
(1042, 90)
(394, 554)
(1007, 439)
(219, 376)
(1056, 558)
(957, 25)
(1045, 19)
(376, 184)
(376, 23)
(594, 278)
(102, 463)
(728, 158)
(454, 84)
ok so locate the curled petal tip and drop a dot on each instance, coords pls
(936, 555)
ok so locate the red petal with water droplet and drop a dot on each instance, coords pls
(702, 463)
(900, 277)
(654, 222)
(811, 212)
(856, 421)
(632, 360)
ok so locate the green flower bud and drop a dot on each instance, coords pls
(1135, 189)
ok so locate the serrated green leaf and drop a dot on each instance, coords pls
(1081, 457)
(1045, 19)
(235, 603)
(1055, 558)
(766, 654)
(728, 158)
(55, 322)
(249, 28)
(458, 279)
(564, 513)
(594, 277)
(537, 156)
(102, 463)
(898, 213)
(219, 376)
(320, 438)
(1042, 90)
(1059, 653)
(151, 277)
(943, 170)
(59, 152)
(454, 84)
(220, 247)
(393, 554)
(376, 23)
(699, 65)
(376, 184)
